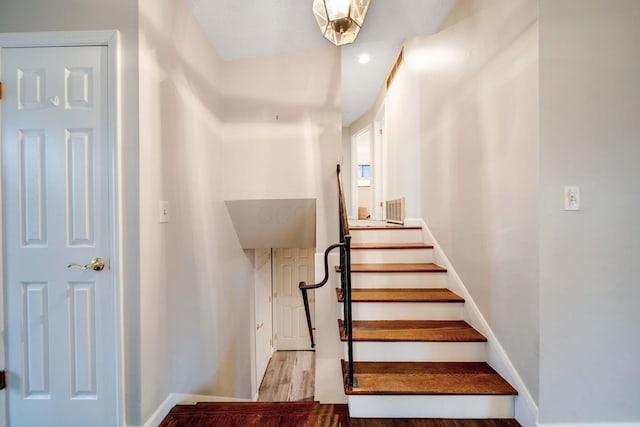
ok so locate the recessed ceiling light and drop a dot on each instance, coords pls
(364, 59)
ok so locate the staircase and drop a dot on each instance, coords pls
(415, 356)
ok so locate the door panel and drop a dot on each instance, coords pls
(61, 322)
(292, 266)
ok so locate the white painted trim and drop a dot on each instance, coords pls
(110, 39)
(414, 222)
(174, 399)
(526, 410)
(590, 424)
(431, 406)
(58, 38)
(3, 360)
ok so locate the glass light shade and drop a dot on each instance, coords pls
(340, 20)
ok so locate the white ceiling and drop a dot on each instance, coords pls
(251, 28)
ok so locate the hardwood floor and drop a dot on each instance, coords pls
(412, 330)
(299, 414)
(289, 377)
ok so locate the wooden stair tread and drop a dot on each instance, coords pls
(385, 227)
(427, 295)
(428, 267)
(427, 378)
(363, 246)
(412, 330)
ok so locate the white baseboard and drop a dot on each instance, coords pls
(183, 399)
(526, 410)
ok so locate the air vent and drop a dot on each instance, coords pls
(395, 68)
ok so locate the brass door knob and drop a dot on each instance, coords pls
(96, 264)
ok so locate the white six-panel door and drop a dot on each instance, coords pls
(292, 266)
(61, 322)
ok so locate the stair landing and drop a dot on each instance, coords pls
(300, 414)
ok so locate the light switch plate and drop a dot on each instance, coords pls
(164, 211)
(571, 198)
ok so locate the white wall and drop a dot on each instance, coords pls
(122, 15)
(403, 160)
(462, 128)
(345, 164)
(195, 277)
(590, 136)
(282, 133)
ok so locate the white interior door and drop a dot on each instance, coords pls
(61, 322)
(264, 315)
(292, 266)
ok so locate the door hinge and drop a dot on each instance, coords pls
(3, 379)
(0, 89)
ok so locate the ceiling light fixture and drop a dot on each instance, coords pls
(340, 20)
(364, 59)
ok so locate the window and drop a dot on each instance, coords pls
(364, 175)
(364, 171)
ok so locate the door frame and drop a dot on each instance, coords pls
(379, 156)
(110, 39)
(355, 202)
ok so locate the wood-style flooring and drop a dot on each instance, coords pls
(289, 377)
(286, 400)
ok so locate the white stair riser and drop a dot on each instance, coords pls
(455, 406)
(418, 351)
(386, 236)
(374, 256)
(399, 280)
(407, 311)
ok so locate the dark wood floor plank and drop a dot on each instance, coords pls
(299, 414)
(412, 330)
(401, 295)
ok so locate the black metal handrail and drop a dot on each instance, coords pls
(304, 288)
(345, 280)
